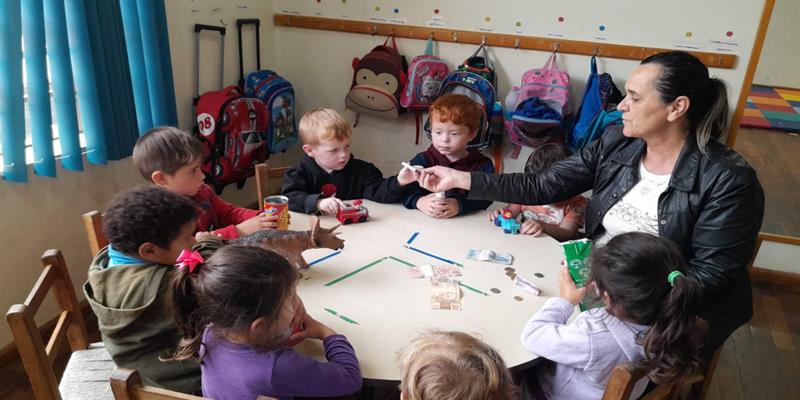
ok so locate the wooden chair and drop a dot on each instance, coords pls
(93, 222)
(89, 366)
(127, 385)
(263, 176)
(624, 378)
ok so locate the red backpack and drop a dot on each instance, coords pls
(232, 127)
(233, 130)
(378, 80)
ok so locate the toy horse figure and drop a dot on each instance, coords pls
(291, 244)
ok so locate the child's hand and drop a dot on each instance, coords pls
(407, 175)
(567, 289)
(330, 205)
(206, 235)
(494, 214)
(259, 222)
(313, 329)
(531, 227)
(448, 208)
(429, 205)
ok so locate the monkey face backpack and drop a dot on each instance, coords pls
(378, 80)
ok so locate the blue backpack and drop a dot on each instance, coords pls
(599, 94)
(278, 94)
(480, 90)
(597, 126)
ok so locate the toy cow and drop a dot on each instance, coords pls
(291, 244)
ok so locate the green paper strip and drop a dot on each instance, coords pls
(348, 320)
(472, 288)
(343, 277)
(402, 261)
(332, 311)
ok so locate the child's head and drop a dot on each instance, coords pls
(635, 273)
(326, 138)
(453, 365)
(170, 158)
(245, 291)
(545, 156)
(150, 223)
(454, 123)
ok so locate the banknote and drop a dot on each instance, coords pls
(430, 271)
(490, 256)
(526, 286)
(445, 294)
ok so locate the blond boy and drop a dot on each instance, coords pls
(329, 167)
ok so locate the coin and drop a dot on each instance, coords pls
(511, 275)
(509, 269)
(538, 275)
(518, 298)
(495, 290)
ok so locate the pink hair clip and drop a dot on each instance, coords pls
(189, 259)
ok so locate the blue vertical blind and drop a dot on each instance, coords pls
(105, 64)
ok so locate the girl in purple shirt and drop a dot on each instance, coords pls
(237, 311)
(648, 319)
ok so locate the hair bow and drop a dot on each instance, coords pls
(189, 259)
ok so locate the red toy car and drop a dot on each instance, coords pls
(353, 211)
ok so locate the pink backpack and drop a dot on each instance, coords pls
(536, 108)
(425, 76)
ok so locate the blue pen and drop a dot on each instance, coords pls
(411, 239)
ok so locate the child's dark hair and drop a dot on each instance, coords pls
(146, 214)
(233, 288)
(545, 156)
(166, 149)
(633, 269)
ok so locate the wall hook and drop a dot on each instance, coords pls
(556, 45)
(374, 30)
(431, 36)
(483, 40)
(595, 51)
(455, 36)
(516, 43)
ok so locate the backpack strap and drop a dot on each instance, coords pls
(386, 42)
(418, 118)
(594, 65)
(429, 47)
(551, 62)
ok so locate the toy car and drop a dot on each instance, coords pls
(507, 222)
(353, 211)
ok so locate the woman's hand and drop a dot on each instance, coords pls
(440, 179)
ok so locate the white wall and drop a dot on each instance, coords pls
(780, 56)
(46, 213)
(319, 62)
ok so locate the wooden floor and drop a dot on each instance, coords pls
(775, 155)
(760, 361)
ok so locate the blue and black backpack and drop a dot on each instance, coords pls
(278, 94)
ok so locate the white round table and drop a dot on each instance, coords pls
(380, 308)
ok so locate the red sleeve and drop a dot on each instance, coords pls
(227, 214)
(229, 232)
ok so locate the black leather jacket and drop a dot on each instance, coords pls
(712, 209)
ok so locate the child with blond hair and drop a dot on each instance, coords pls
(453, 366)
(328, 162)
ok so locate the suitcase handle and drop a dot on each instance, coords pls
(239, 24)
(197, 29)
(202, 27)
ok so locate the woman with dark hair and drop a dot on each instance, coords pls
(659, 173)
